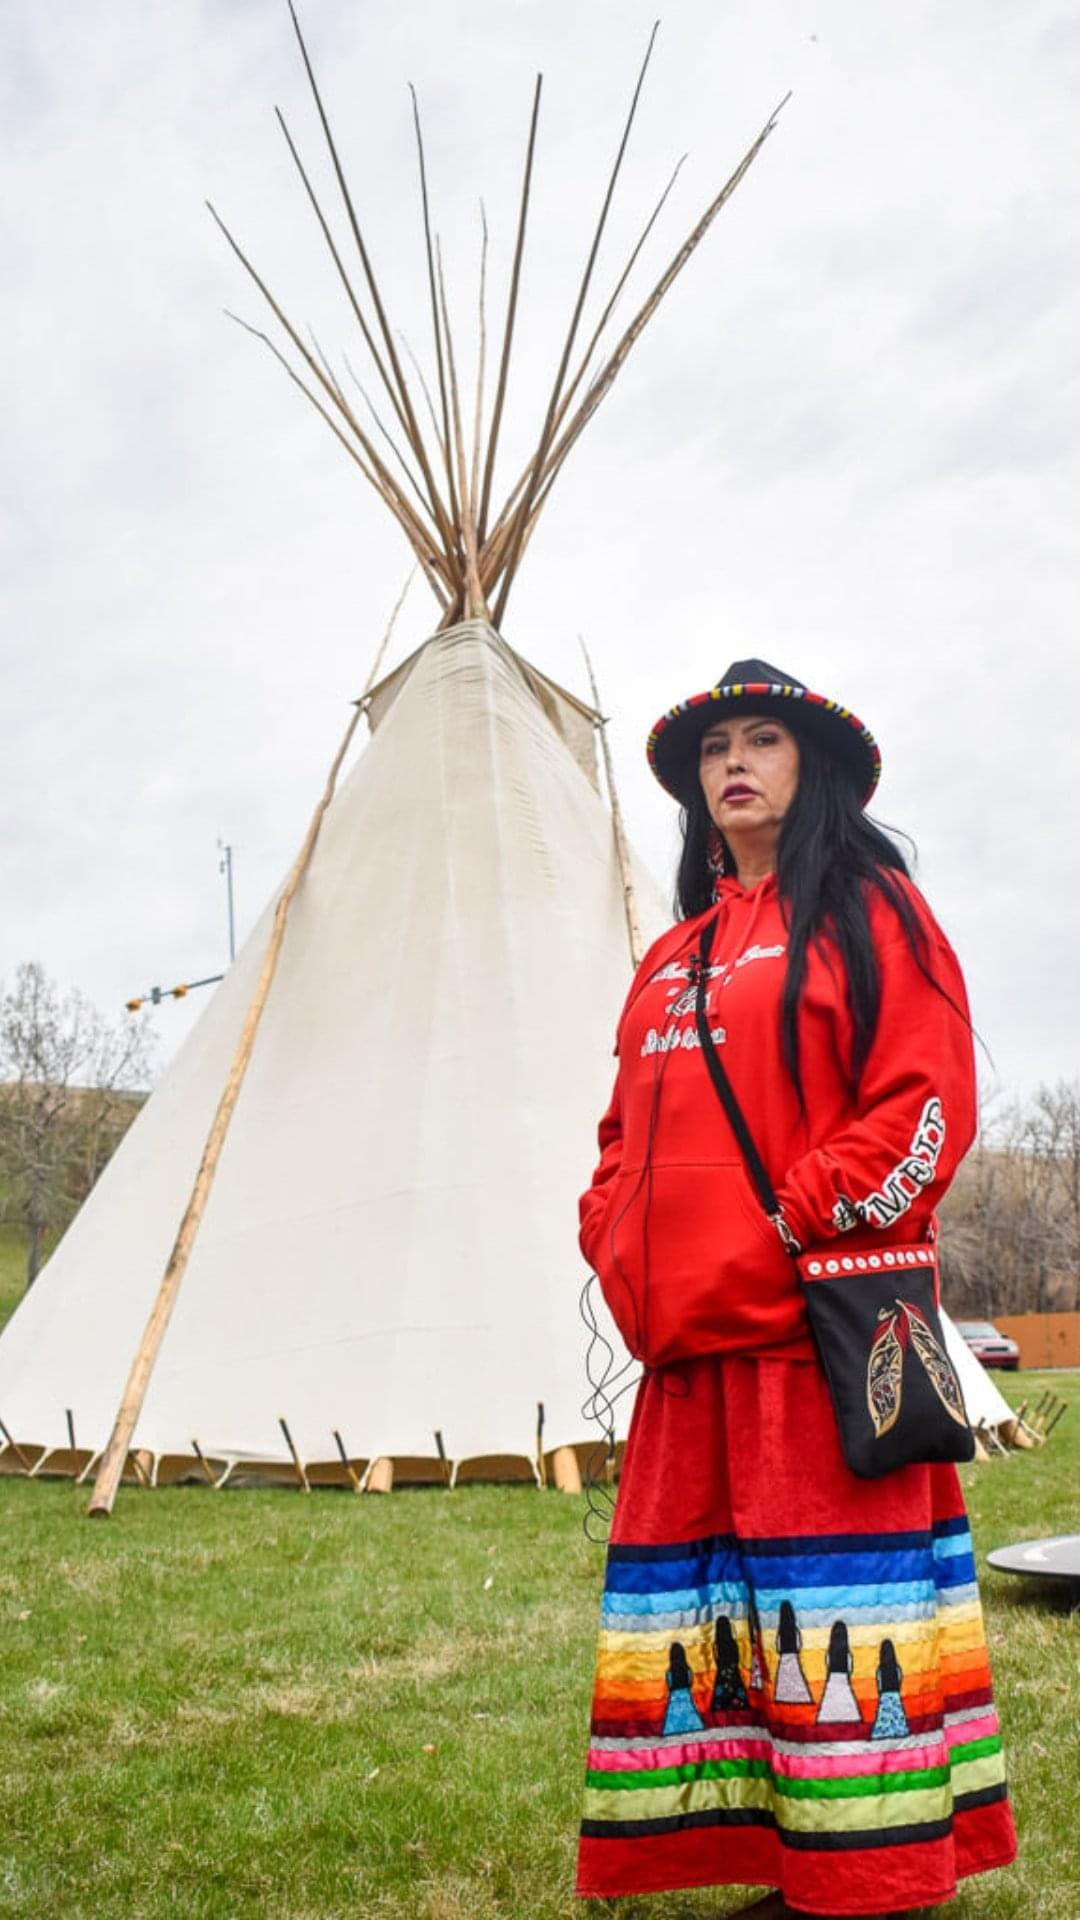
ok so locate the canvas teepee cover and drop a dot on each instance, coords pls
(985, 1403)
(389, 1246)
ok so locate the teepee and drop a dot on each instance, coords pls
(341, 1234)
(988, 1411)
(388, 1250)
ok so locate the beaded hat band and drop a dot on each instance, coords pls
(673, 744)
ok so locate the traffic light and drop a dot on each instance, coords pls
(180, 992)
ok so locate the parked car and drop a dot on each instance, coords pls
(994, 1349)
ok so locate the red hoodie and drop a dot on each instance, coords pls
(672, 1227)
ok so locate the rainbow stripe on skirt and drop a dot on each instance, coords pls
(789, 1720)
(805, 1703)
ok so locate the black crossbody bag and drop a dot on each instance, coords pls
(873, 1317)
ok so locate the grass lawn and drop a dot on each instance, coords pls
(12, 1272)
(259, 1704)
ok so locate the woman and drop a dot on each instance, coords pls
(841, 1015)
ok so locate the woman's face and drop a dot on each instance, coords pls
(749, 773)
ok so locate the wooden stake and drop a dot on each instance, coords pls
(990, 1440)
(622, 848)
(1017, 1434)
(16, 1449)
(203, 1462)
(297, 1462)
(1046, 1409)
(354, 1477)
(141, 1470)
(112, 1460)
(440, 1448)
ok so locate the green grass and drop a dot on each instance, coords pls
(12, 1274)
(13, 1271)
(218, 1707)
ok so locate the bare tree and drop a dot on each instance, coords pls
(68, 1080)
(1011, 1222)
(1054, 1135)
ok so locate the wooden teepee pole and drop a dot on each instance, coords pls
(115, 1454)
(622, 848)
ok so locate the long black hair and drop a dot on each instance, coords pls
(829, 856)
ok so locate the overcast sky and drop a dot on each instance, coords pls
(848, 443)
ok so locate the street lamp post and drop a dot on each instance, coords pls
(225, 866)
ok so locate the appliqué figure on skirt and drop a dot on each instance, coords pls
(890, 1720)
(838, 1702)
(729, 1693)
(681, 1715)
(791, 1688)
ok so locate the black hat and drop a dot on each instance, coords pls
(673, 744)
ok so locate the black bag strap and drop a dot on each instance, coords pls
(755, 1166)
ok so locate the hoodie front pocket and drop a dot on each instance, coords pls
(694, 1265)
